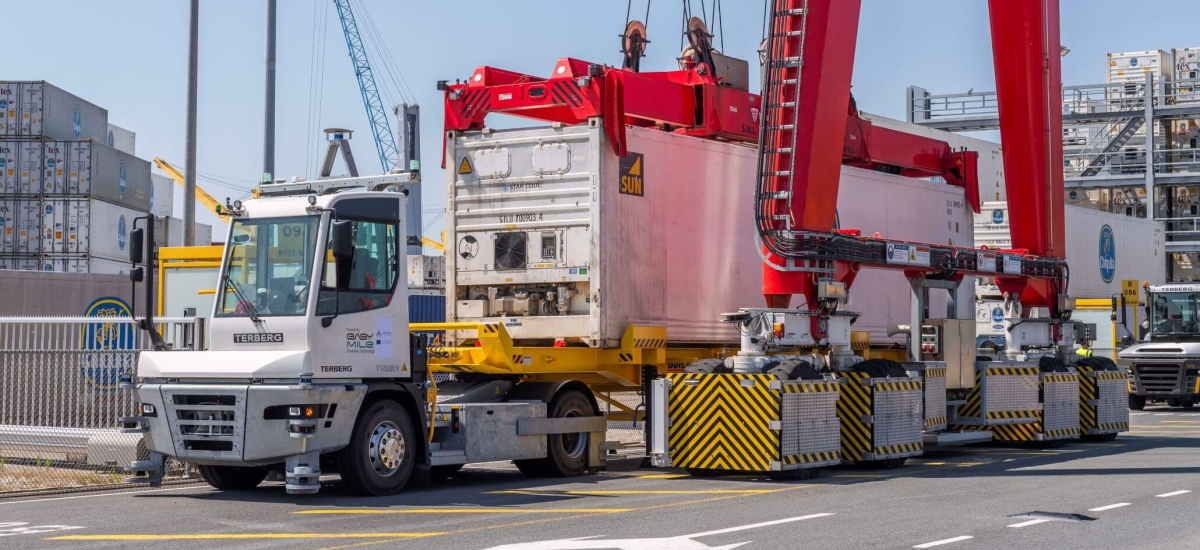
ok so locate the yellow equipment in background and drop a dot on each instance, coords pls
(202, 196)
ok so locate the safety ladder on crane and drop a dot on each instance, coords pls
(784, 58)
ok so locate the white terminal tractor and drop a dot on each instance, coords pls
(312, 367)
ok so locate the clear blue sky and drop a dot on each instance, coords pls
(130, 56)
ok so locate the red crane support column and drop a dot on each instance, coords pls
(1025, 49)
(826, 46)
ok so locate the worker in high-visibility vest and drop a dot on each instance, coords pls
(1085, 349)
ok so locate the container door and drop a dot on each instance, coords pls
(57, 158)
(8, 225)
(80, 180)
(78, 225)
(8, 166)
(29, 226)
(29, 162)
(10, 101)
(31, 109)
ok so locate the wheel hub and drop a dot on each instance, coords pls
(386, 448)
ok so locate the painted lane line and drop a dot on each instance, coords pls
(682, 542)
(19, 528)
(1109, 507)
(1137, 414)
(1028, 523)
(943, 541)
(1172, 494)
(535, 492)
(249, 536)
(368, 512)
(1164, 414)
(756, 525)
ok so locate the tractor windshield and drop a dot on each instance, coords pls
(268, 267)
(1176, 313)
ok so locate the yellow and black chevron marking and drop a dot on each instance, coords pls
(810, 458)
(853, 404)
(888, 451)
(810, 387)
(1013, 371)
(936, 372)
(935, 421)
(491, 328)
(649, 342)
(1089, 394)
(516, 359)
(1060, 434)
(1014, 432)
(1013, 414)
(626, 357)
(723, 421)
(1059, 378)
(904, 385)
(974, 399)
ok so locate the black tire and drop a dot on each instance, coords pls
(382, 451)
(1173, 403)
(446, 471)
(884, 464)
(1051, 444)
(566, 454)
(232, 478)
(1137, 402)
(1098, 438)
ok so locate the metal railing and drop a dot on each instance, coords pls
(1094, 103)
(1133, 161)
(61, 398)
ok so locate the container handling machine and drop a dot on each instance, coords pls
(312, 367)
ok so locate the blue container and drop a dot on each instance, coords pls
(423, 308)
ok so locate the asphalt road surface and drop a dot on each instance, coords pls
(1141, 491)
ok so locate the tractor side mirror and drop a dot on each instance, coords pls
(137, 246)
(343, 240)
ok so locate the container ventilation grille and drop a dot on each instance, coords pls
(511, 250)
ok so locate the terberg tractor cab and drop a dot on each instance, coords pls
(1165, 365)
(312, 366)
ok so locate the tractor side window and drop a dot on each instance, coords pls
(374, 271)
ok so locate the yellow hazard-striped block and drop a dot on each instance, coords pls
(723, 421)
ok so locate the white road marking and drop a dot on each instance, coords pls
(1164, 414)
(1172, 494)
(1028, 523)
(943, 541)
(1109, 507)
(103, 495)
(683, 542)
(17, 528)
(1137, 414)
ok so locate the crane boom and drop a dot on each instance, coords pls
(385, 143)
(210, 203)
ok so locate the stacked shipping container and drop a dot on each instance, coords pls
(67, 200)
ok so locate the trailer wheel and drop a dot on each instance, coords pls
(232, 478)
(382, 450)
(566, 454)
(1137, 402)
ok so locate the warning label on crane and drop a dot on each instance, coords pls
(985, 261)
(907, 254)
(632, 180)
(464, 167)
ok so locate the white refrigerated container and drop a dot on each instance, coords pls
(95, 170)
(86, 226)
(29, 167)
(1102, 248)
(162, 195)
(169, 232)
(82, 263)
(1131, 67)
(121, 139)
(43, 110)
(20, 263)
(545, 209)
(425, 271)
(9, 169)
(20, 226)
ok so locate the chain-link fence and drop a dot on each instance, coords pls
(61, 398)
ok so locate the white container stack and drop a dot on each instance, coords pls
(162, 195)
(68, 201)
